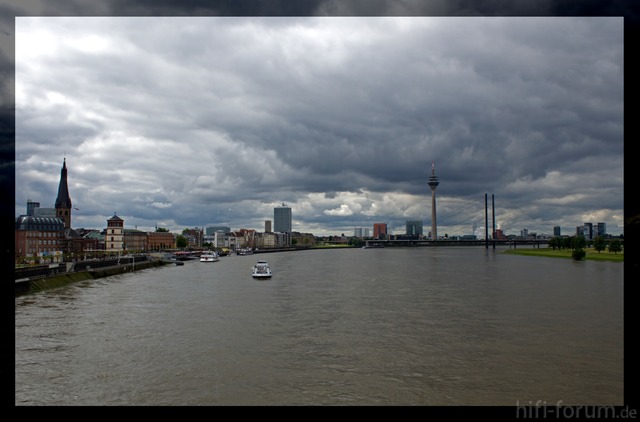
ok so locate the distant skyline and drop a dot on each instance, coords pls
(203, 121)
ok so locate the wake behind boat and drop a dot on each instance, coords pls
(209, 257)
(261, 270)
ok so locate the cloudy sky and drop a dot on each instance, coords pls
(189, 121)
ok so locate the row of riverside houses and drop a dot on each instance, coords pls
(44, 235)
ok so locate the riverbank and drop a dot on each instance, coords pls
(62, 279)
(591, 254)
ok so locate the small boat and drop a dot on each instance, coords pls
(179, 263)
(261, 270)
(209, 257)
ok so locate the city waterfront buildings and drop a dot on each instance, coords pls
(46, 232)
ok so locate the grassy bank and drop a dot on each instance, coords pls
(63, 279)
(331, 246)
(592, 254)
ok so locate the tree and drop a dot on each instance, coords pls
(615, 246)
(554, 243)
(353, 241)
(578, 242)
(578, 254)
(181, 241)
(161, 230)
(599, 244)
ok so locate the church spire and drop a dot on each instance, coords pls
(63, 201)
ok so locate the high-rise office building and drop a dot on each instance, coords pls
(31, 206)
(433, 184)
(556, 230)
(414, 228)
(282, 219)
(362, 232)
(380, 230)
(267, 226)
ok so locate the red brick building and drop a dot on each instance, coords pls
(380, 230)
(158, 241)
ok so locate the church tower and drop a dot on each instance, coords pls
(63, 201)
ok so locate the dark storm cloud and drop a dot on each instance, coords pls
(218, 121)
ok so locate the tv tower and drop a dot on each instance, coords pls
(433, 184)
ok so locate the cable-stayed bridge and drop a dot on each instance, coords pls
(485, 217)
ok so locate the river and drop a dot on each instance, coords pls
(391, 326)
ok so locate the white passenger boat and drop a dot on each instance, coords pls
(261, 270)
(209, 257)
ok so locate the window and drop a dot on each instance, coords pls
(112, 241)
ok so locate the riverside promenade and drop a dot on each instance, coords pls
(47, 277)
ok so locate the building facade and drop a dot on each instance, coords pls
(159, 241)
(38, 237)
(135, 240)
(195, 237)
(210, 231)
(414, 228)
(267, 240)
(31, 206)
(379, 230)
(282, 219)
(114, 235)
(499, 235)
(219, 239)
(304, 240)
(44, 212)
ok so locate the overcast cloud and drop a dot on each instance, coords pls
(183, 122)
